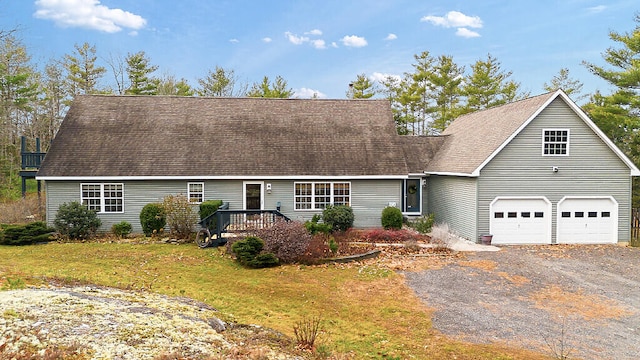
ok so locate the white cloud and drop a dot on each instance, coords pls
(454, 19)
(314, 32)
(380, 77)
(295, 39)
(234, 41)
(334, 44)
(88, 14)
(318, 44)
(267, 39)
(464, 32)
(354, 41)
(309, 93)
(391, 37)
(596, 9)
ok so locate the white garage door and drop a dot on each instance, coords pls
(520, 220)
(591, 220)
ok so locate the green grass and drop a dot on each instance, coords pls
(367, 312)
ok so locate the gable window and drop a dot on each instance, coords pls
(317, 195)
(555, 142)
(103, 198)
(195, 192)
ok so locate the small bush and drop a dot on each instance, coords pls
(181, 216)
(339, 217)
(75, 221)
(248, 253)
(314, 226)
(423, 224)
(26, 234)
(121, 229)
(209, 207)
(391, 218)
(152, 218)
(287, 240)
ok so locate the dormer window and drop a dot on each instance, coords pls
(555, 142)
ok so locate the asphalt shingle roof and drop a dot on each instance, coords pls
(105, 135)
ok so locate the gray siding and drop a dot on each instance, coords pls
(368, 198)
(452, 200)
(591, 169)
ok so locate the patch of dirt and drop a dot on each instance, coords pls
(581, 300)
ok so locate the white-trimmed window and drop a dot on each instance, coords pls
(317, 195)
(195, 192)
(103, 197)
(555, 142)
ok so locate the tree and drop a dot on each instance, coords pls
(82, 72)
(139, 73)
(118, 70)
(444, 86)
(563, 81)
(361, 88)
(488, 86)
(169, 85)
(395, 90)
(618, 114)
(221, 83)
(277, 89)
(18, 93)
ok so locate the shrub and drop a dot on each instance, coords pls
(391, 218)
(248, 253)
(314, 226)
(75, 221)
(287, 240)
(121, 229)
(209, 207)
(423, 224)
(25, 234)
(152, 218)
(180, 215)
(339, 217)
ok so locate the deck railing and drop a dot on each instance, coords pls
(225, 221)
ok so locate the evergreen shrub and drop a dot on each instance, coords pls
(152, 218)
(25, 234)
(248, 253)
(339, 217)
(391, 218)
(121, 229)
(76, 221)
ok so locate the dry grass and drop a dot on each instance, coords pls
(22, 211)
(589, 307)
(487, 265)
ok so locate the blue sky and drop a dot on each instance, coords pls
(321, 46)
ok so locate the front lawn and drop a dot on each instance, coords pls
(366, 309)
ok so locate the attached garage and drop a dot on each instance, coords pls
(525, 220)
(587, 220)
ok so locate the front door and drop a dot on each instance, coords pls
(253, 195)
(412, 198)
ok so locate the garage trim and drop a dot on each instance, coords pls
(546, 237)
(613, 238)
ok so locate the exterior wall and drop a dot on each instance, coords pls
(368, 198)
(591, 169)
(452, 200)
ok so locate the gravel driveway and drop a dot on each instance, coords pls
(556, 299)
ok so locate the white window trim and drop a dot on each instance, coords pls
(568, 141)
(313, 190)
(102, 197)
(189, 191)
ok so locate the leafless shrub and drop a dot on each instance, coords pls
(306, 332)
(22, 211)
(287, 240)
(181, 215)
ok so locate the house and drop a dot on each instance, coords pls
(534, 171)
